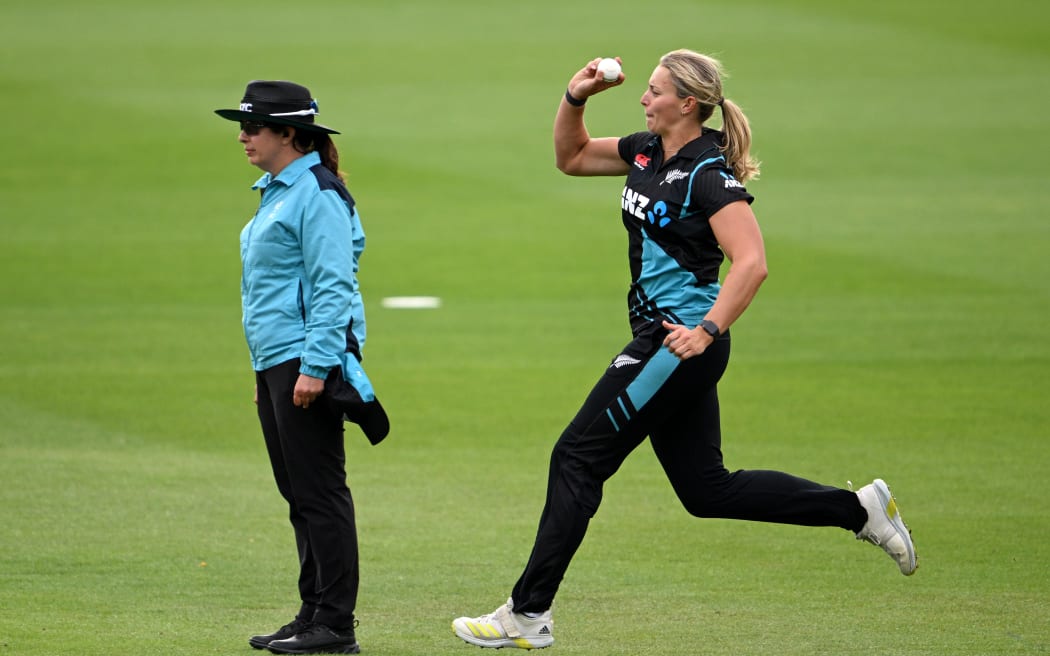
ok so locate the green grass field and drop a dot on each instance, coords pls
(904, 201)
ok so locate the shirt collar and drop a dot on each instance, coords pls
(290, 173)
(708, 139)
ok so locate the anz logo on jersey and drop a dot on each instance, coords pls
(635, 204)
(730, 181)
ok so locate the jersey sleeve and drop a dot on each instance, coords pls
(632, 144)
(714, 187)
(329, 261)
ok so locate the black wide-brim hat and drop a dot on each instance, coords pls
(345, 401)
(277, 102)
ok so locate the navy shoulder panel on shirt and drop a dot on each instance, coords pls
(328, 181)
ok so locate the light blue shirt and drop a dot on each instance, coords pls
(299, 257)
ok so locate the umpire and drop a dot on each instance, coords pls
(304, 322)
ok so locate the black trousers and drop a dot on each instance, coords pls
(646, 391)
(308, 460)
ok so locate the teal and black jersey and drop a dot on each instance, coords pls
(674, 256)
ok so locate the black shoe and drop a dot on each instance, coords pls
(317, 639)
(286, 631)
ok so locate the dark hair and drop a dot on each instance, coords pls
(306, 141)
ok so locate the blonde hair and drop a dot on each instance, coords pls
(701, 77)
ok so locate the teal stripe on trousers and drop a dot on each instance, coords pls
(653, 375)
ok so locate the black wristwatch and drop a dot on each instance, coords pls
(711, 328)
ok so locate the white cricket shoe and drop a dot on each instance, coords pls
(505, 628)
(885, 528)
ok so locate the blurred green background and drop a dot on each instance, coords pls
(901, 332)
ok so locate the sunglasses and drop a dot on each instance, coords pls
(252, 128)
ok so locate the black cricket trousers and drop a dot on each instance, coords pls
(308, 459)
(647, 391)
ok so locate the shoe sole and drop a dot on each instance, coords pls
(893, 514)
(335, 649)
(513, 643)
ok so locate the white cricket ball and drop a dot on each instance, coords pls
(610, 69)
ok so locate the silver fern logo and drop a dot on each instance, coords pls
(623, 361)
(674, 176)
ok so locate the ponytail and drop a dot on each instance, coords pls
(306, 141)
(737, 147)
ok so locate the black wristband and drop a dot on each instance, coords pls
(575, 102)
(711, 328)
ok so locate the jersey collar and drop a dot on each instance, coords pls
(709, 138)
(290, 173)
